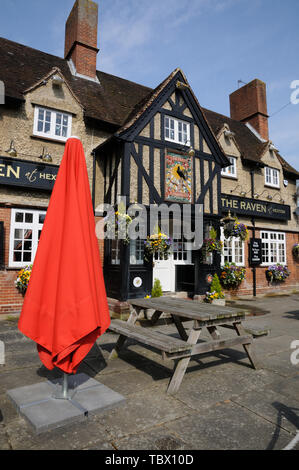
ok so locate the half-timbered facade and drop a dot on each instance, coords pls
(142, 162)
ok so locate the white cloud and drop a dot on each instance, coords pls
(126, 27)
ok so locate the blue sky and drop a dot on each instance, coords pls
(215, 42)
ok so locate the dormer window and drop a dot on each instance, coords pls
(271, 177)
(176, 130)
(52, 124)
(230, 171)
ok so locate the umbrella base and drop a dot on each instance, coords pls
(38, 406)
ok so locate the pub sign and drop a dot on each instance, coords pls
(27, 174)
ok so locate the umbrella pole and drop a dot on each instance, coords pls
(64, 393)
(65, 386)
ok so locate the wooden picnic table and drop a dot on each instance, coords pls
(181, 350)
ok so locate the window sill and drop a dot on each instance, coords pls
(48, 139)
(267, 185)
(229, 177)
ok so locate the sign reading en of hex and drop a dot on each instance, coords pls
(27, 174)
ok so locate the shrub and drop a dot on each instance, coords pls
(157, 289)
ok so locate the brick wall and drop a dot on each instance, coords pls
(262, 284)
(10, 299)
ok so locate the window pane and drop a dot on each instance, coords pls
(41, 113)
(28, 218)
(19, 217)
(27, 256)
(17, 256)
(41, 218)
(19, 234)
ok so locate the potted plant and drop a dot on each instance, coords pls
(231, 275)
(157, 289)
(295, 251)
(277, 273)
(23, 279)
(216, 295)
(158, 242)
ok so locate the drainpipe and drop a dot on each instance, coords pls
(253, 233)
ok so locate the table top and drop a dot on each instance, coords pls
(188, 308)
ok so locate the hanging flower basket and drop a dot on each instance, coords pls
(157, 243)
(277, 273)
(231, 275)
(23, 279)
(235, 229)
(211, 244)
(295, 250)
(117, 225)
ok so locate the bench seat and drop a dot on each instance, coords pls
(165, 343)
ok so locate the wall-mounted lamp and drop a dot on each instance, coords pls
(256, 195)
(269, 197)
(46, 157)
(243, 193)
(12, 151)
(191, 151)
(235, 188)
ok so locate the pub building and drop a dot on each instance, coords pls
(151, 146)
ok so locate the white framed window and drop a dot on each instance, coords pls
(115, 251)
(273, 247)
(52, 124)
(232, 169)
(176, 130)
(180, 252)
(136, 251)
(233, 250)
(272, 177)
(25, 230)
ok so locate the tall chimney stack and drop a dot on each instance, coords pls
(249, 104)
(81, 37)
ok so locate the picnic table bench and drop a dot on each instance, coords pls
(181, 350)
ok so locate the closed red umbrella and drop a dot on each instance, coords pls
(65, 307)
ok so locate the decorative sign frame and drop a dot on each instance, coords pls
(178, 177)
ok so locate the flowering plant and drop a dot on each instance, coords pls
(117, 224)
(277, 272)
(23, 279)
(210, 296)
(295, 250)
(211, 244)
(236, 229)
(232, 275)
(215, 290)
(157, 242)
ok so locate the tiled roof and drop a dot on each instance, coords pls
(114, 100)
(110, 101)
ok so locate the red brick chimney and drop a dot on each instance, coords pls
(81, 37)
(249, 104)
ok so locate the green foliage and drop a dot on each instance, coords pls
(213, 233)
(215, 285)
(157, 288)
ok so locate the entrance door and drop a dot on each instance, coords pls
(165, 270)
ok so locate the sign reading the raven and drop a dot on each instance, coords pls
(178, 177)
(27, 174)
(255, 252)
(254, 207)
